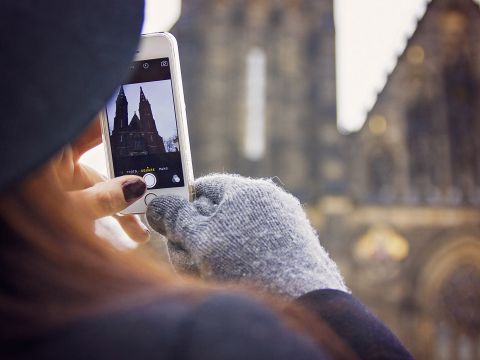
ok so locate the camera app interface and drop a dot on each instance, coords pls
(143, 126)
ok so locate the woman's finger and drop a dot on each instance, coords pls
(134, 227)
(111, 196)
(85, 176)
(72, 174)
(90, 138)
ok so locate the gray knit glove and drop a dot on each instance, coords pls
(245, 230)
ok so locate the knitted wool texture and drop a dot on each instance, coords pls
(245, 230)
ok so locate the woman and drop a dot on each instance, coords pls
(65, 293)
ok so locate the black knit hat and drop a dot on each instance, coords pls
(60, 61)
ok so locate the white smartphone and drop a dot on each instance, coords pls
(145, 124)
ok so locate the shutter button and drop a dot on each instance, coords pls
(150, 180)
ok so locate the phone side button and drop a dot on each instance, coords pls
(149, 197)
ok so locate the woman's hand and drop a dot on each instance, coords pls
(245, 230)
(104, 197)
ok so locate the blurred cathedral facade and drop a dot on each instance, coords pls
(397, 203)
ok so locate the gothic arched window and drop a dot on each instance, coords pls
(256, 83)
(461, 88)
(458, 315)
(380, 175)
(423, 154)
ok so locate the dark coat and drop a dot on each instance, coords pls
(219, 327)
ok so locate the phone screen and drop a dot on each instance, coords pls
(143, 126)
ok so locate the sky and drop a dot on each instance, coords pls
(160, 15)
(371, 34)
(159, 94)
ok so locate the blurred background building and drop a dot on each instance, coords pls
(260, 80)
(395, 203)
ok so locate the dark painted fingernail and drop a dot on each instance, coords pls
(133, 189)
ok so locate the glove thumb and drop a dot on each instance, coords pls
(174, 217)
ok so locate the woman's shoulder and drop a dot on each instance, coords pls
(221, 326)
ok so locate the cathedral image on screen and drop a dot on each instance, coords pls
(143, 132)
(138, 134)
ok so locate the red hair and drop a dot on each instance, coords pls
(55, 269)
